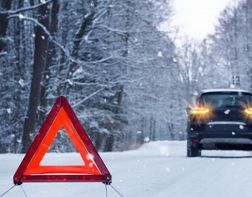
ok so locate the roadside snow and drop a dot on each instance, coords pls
(157, 169)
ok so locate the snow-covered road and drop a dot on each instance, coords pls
(158, 169)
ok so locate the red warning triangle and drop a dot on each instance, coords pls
(62, 116)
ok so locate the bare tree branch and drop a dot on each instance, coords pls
(22, 17)
(12, 12)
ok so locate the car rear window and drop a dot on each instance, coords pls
(226, 99)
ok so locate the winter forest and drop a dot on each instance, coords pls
(128, 80)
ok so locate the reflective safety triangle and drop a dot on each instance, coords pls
(93, 168)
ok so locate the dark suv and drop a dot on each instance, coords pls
(221, 119)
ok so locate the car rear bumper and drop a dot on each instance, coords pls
(223, 136)
(214, 142)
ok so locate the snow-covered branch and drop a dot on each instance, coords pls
(118, 31)
(99, 15)
(88, 97)
(3, 53)
(50, 37)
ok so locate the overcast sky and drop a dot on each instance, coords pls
(196, 18)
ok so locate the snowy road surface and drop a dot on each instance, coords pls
(158, 169)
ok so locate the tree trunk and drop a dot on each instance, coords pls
(109, 143)
(84, 29)
(50, 58)
(19, 74)
(5, 5)
(38, 65)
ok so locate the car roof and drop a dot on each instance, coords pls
(225, 90)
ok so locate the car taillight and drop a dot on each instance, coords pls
(201, 114)
(248, 111)
(199, 111)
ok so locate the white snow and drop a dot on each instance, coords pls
(43, 1)
(21, 82)
(9, 111)
(160, 54)
(21, 16)
(157, 169)
(227, 111)
(146, 139)
(70, 82)
(241, 127)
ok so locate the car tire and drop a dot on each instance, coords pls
(192, 150)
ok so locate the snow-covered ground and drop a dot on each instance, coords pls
(158, 169)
